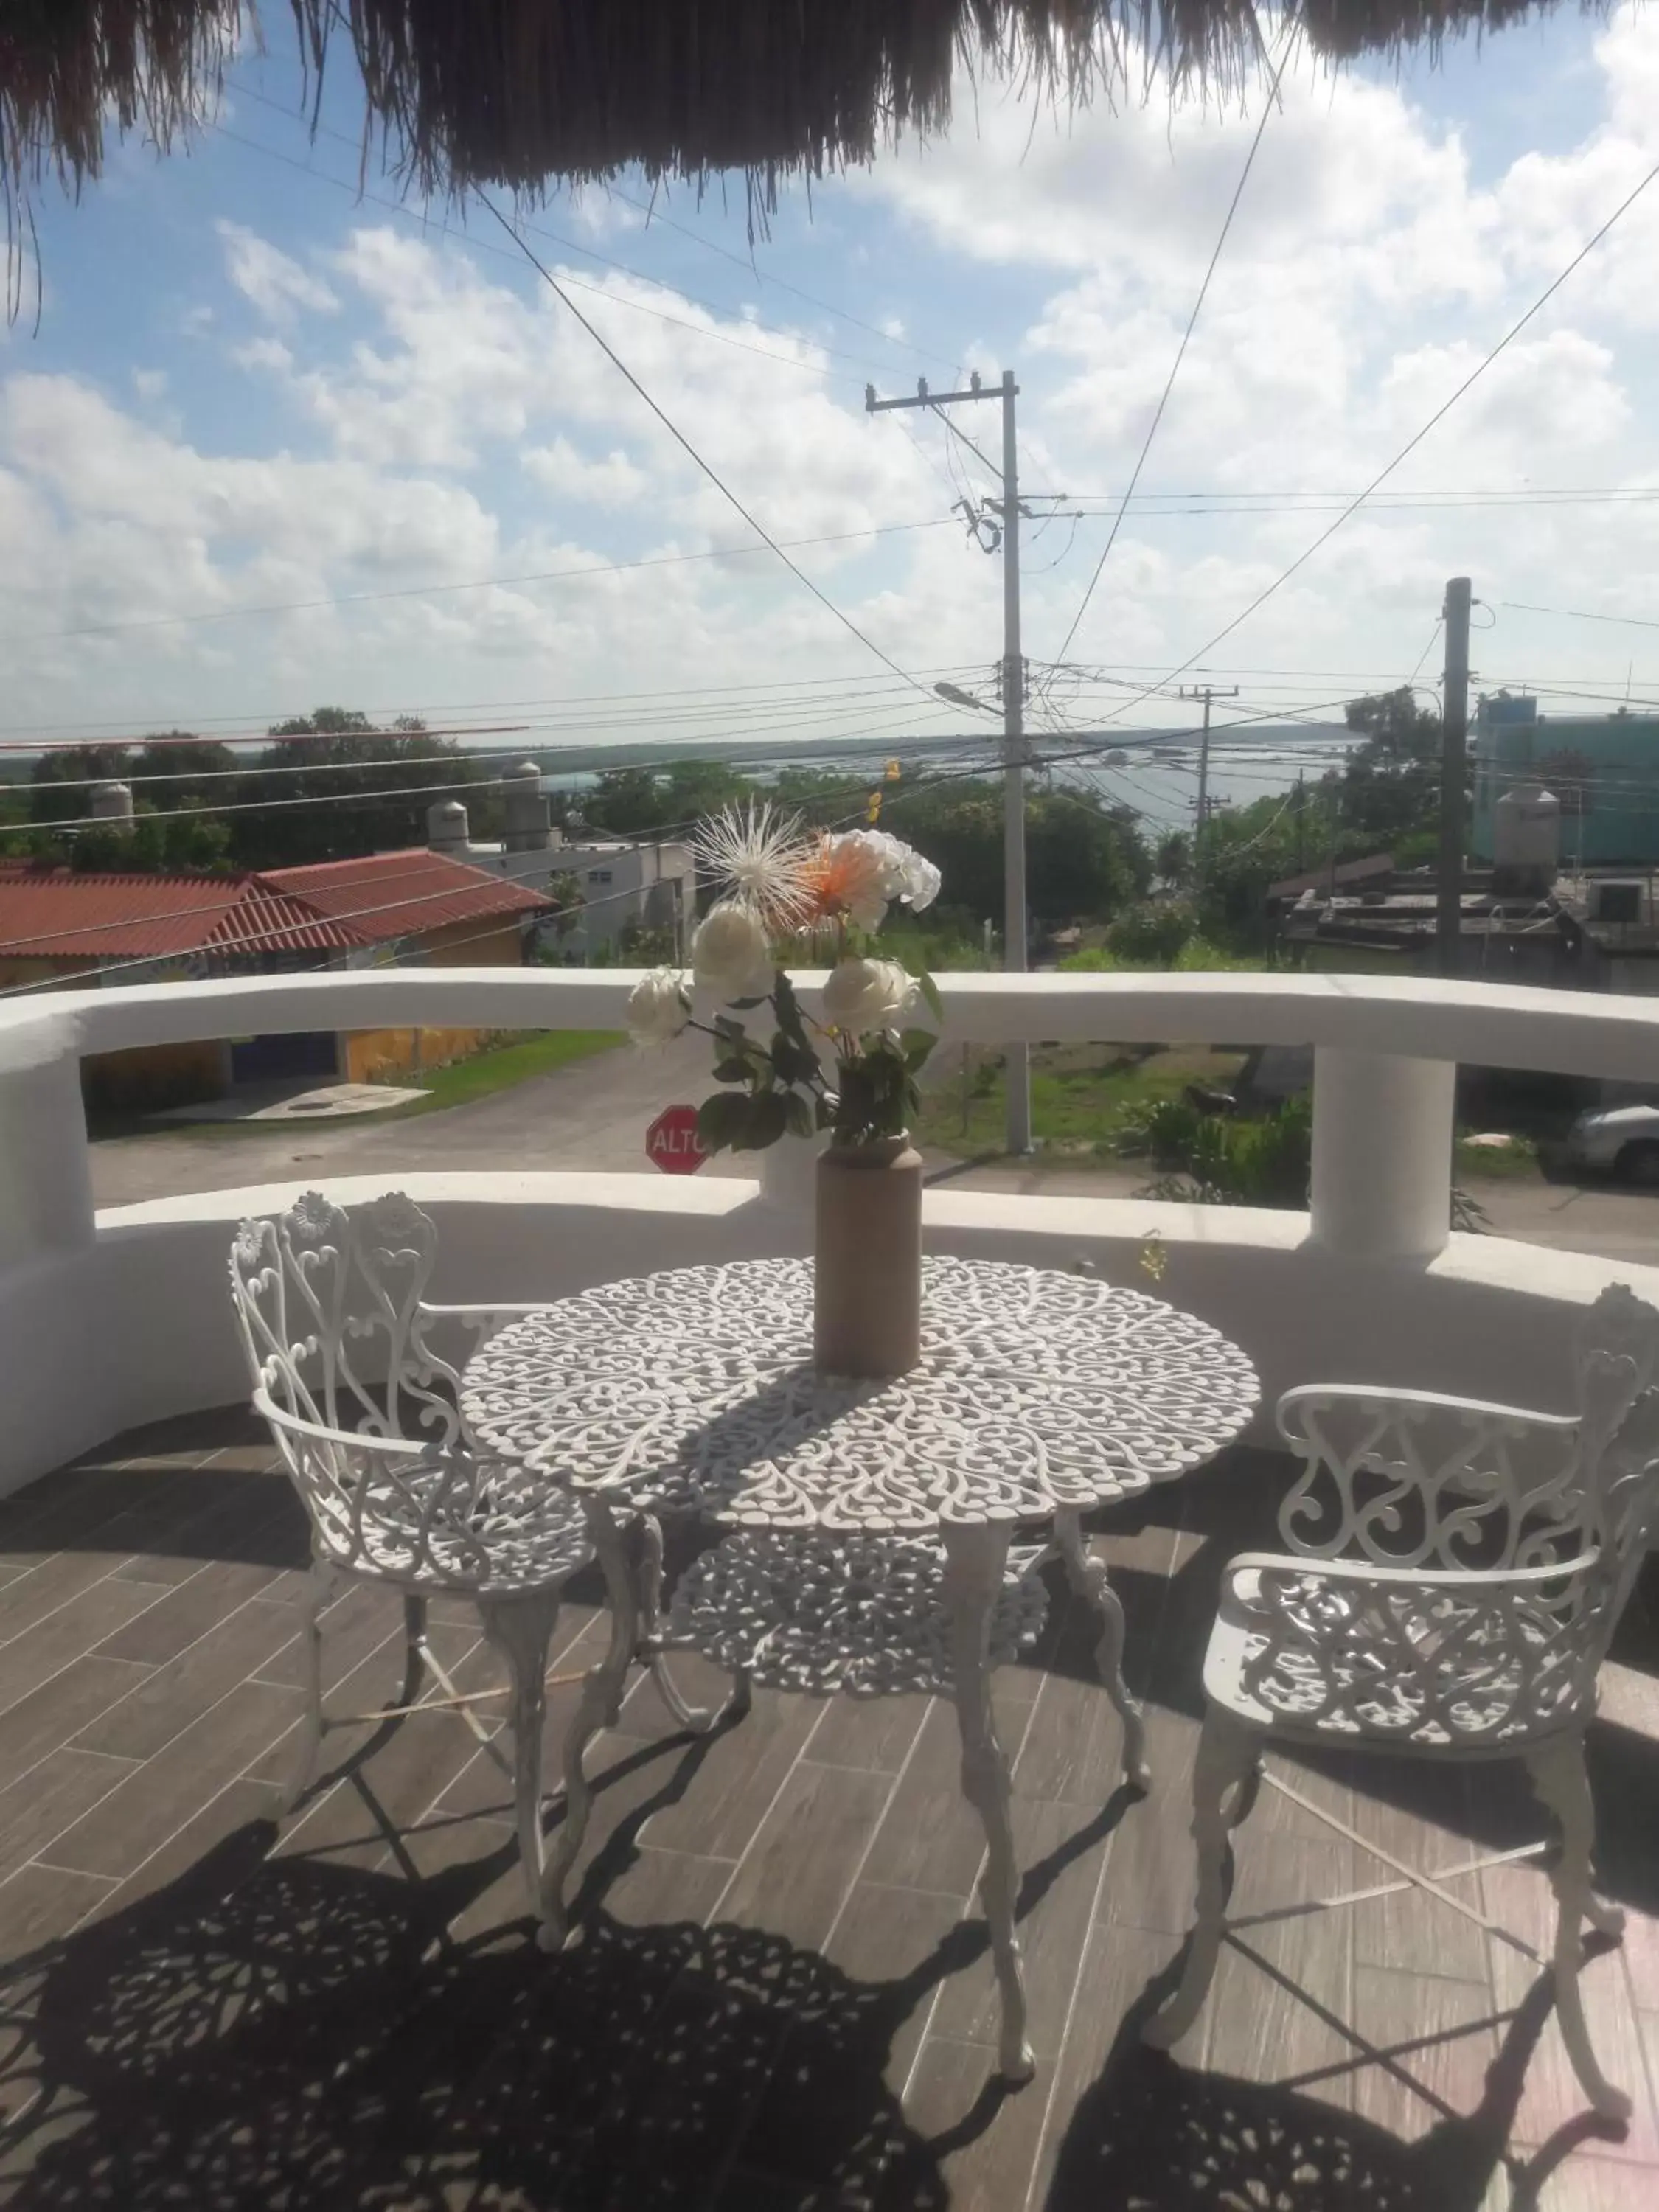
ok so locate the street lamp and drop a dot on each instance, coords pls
(958, 697)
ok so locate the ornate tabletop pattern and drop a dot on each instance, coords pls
(694, 1387)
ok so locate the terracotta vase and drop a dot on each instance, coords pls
(866, 1316)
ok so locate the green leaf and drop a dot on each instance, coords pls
(768, 1118)
(917, 1045)
(732, 1070)
(798, 1114)
(723, 1120)
(788, 1007)
(795, 1062)
(929, 990)
(732, 1032)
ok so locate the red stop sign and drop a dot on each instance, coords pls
(673, 1143)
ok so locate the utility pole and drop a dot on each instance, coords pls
(1453, 766)
(1208, 692)
(1018, 1057)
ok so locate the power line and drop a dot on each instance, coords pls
(1416, 439)
(681, 439)
(567, 700)
(474, 584)
(336, 798)
(360, 192)
(1581, 614)
(1291, 502)
(266, 738)
(1267, 106)
(652, 214)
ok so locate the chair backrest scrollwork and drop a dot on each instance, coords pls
(330, 1310)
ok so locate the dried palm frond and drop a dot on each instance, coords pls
(524, 93)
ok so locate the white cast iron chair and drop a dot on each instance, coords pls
(325, 1301)
(1453, 1576)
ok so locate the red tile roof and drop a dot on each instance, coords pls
(386, 895)
(58, 915)
(52, 914)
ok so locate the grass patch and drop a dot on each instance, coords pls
(502, 1066)
(1079, 1095)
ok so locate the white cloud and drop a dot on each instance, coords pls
(413, 413)
(271, 280)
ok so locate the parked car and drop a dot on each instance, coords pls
(1621, 1140)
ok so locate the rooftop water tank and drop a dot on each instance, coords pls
(528, 817)
(1526, 839)
(446, 829)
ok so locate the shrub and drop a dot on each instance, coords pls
(1154, 932)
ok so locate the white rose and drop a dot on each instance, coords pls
(867, 994)
(657, 1007)
(730, 954)
(918, 880)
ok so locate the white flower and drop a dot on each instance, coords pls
(918, 880)
(761, 857)
(730, 955)
(867, 994)
(659, 1007)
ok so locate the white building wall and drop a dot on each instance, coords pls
(653, 886)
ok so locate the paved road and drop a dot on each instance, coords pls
(594, 1115)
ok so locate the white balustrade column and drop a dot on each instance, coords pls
(1382, 1154)
(46, 1176)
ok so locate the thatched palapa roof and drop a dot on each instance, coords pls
(524, 93)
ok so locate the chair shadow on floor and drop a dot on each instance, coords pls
(280, 2031)
(1151, 2132)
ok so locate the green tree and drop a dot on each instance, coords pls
(1390, 785)
(78, 768)
(1172, 858)
(356, 772)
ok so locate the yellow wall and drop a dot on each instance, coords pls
(373, 1055)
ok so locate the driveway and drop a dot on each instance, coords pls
(594, 1115)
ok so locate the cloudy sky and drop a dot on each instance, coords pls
(273, 443)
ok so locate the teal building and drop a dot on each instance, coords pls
(1603, 768)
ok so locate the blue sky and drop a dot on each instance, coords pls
(249, 389)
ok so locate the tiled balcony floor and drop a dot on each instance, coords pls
(774, 2000)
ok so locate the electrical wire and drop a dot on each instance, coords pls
(1267, 106)
(360, 192)
(472, 584)
(1417, 438)
(779, 685)
(681, 439)
(652, 214)
(1582, 614)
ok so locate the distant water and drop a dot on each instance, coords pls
(1156, 776)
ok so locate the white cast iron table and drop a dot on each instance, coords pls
(1039, 1396)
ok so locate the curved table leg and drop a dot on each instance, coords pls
(698, 1720)
(1088, 1578)
(973, 1576)
(599, 1705)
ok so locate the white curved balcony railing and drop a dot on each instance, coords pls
(108, 1319)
